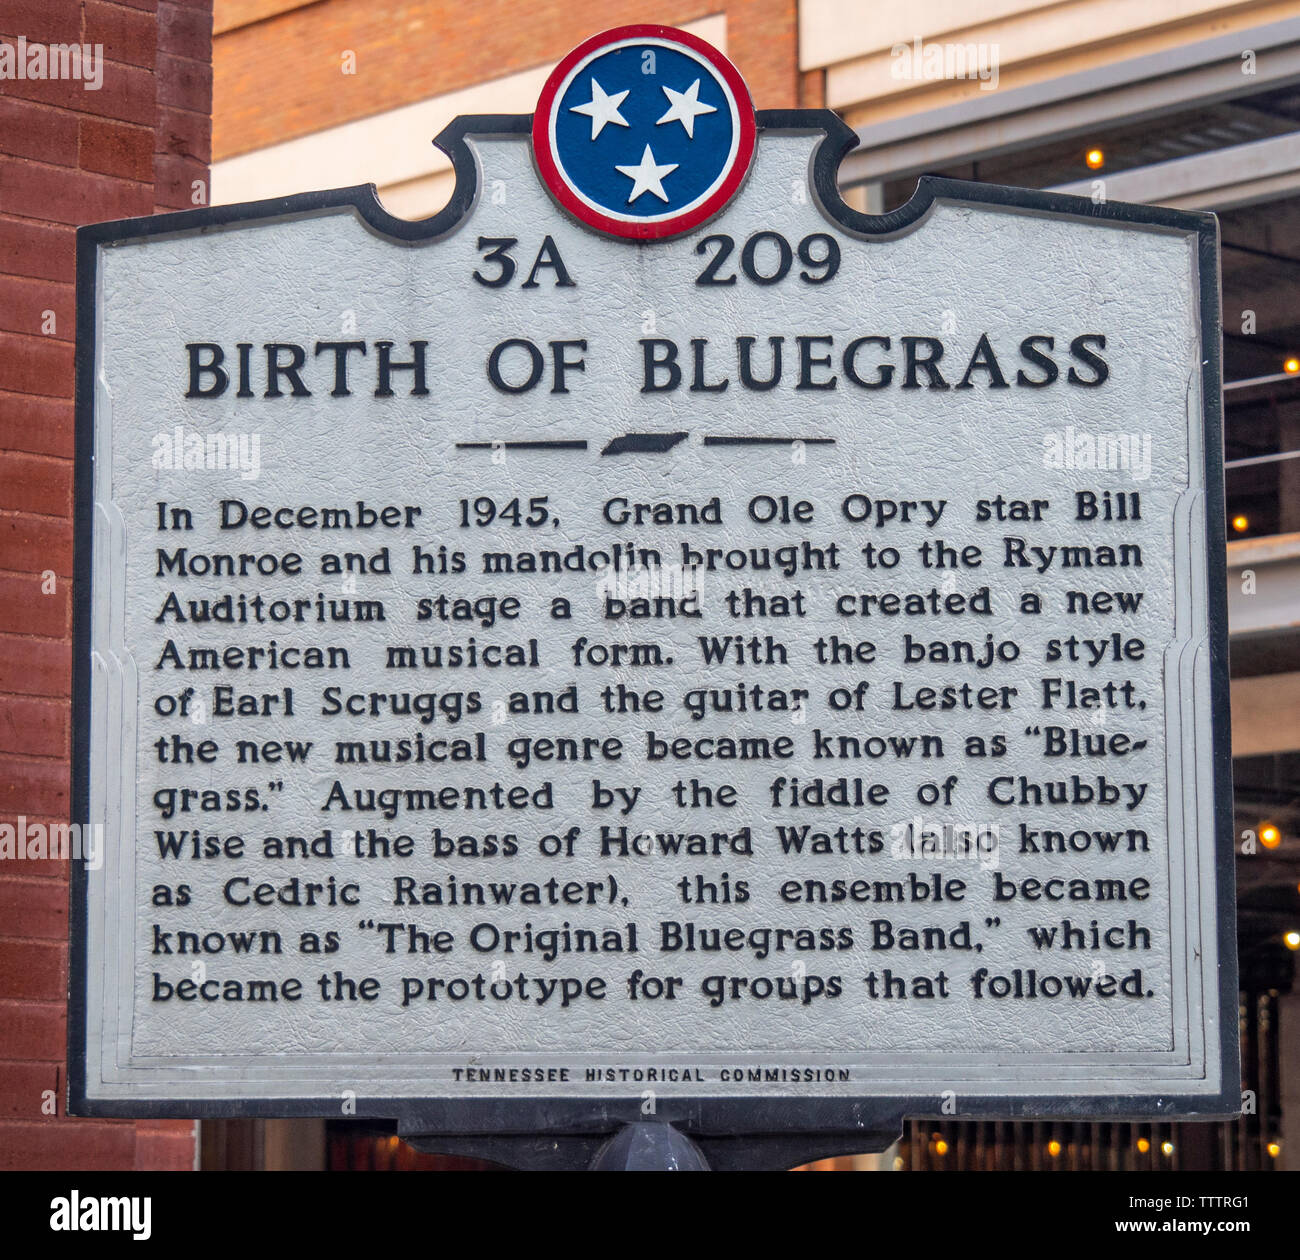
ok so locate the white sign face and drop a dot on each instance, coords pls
(778, 664)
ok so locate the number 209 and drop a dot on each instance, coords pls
(819, 254)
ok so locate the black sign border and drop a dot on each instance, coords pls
(539, 1130)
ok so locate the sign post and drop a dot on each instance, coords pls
(651, 658)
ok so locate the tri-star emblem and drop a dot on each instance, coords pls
(644, 132)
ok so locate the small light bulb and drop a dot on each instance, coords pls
(1167, 1147)
(1292, 940)
(1053, 1148)
(1275, 1149)
(1292, 366)
(1269, 835)
(941, 1147)
(1241, 524)
(1096, 159)
(1143, 1146)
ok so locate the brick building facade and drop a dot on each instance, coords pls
(407, 51)
(353, 91)
(70, 153)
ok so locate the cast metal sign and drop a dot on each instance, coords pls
(652, 642)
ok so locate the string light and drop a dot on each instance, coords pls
(1292, 939)
(1269, 835)
(1096, 159)
(1240, 524)
(1053, 1148)
(1143, 1146)
(1167, 1147)
(1292, 366)
(1275, 1149)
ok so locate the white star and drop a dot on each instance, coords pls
(647, 177)
(602, 108)
(683, 107)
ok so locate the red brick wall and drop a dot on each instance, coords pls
(67, 156)
(281, 76)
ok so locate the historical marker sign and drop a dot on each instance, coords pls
(652, 640)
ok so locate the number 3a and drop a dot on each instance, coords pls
(496, 249)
